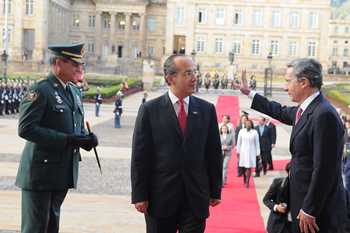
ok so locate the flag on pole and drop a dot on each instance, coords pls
(213, 70)
(125, 86)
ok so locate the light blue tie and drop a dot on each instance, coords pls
(261, 131)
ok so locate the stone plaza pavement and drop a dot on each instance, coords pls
(102, 203)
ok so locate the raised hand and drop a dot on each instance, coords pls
(244, 88)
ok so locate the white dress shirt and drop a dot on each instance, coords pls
(174, 100)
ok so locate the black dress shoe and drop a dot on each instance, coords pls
(265, 172)
(247, 186)
(256, 175)
(239, 175)
(270, 169)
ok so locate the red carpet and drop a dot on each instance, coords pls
(280, 164)
(239, 210)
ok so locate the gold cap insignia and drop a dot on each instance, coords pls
(83, 49)
(55, 85)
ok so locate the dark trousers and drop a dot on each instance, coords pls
(41, 210)
(183, 220)
(268, 160)
(336, 229)
(264, 158)
(239, 170)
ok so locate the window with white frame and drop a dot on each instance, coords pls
(276, 18)
(313, 20)
(218, 45)
(9, 6)
(239, 17)
(76, 21)
(121, 24)
(8, 35)
(293, 48)
(345, 52)
(136, 23)
(274, 48)
(294, 19)
(91, 21)
(134, 51)
(346, 30)
(237, 46)
(311, 51)
(180, 15)
(29, 7)
(336, 30)
(257, 18)
(90, 47)
(335, 51)
(220, 16)
(106, 22)
(202, 15)
(256, 47)
(150, 50)
(200, 44)
(151, 24)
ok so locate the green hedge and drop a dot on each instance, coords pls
(336, 95)
(107, 93)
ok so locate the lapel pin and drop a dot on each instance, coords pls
(195, 113)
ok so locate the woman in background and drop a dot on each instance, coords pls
(248, 148)
(227, 143)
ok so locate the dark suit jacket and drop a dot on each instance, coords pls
(45, 122)
(316, 145)
(346, 136)
(238, 128)
(276, 220)
(273, 132)
(163, 161)
(265, 140)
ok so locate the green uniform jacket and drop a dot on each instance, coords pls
(47, 117)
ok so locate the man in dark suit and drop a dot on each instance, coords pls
(52, 121)
(273, 140)
(277, 199)
(316, 187)
(265, 137)
(176, 164)
(240, 126)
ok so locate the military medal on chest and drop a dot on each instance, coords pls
(59, 100)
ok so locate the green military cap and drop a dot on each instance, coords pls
(72, 51)
(244, 113)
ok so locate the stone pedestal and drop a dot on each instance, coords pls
(231, 69)
(148, 74)
(112, 58)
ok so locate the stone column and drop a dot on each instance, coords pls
(112, 57)
(112, 39)
(127, 49)
(98, 34)
(142, 36)
(54, 22)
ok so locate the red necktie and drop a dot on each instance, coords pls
(300, 110)
(182, 116)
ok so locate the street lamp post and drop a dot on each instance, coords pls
(231, 57)
(268, 71)
(4, 63)
(269, 58)
(193, 55)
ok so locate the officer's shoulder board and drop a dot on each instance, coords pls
(72, 84)
(41, 79)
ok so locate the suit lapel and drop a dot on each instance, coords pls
(304, 117)
(192, 116)
(167, 109)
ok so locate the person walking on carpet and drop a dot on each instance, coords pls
(248, 149)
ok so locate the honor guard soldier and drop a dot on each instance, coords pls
(52, 122)
(144, 97)
(216, 82)
(118, 110)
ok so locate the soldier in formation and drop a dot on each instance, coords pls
(216, 82)
(224, 83)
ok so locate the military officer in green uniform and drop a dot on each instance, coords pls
(52, 121)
